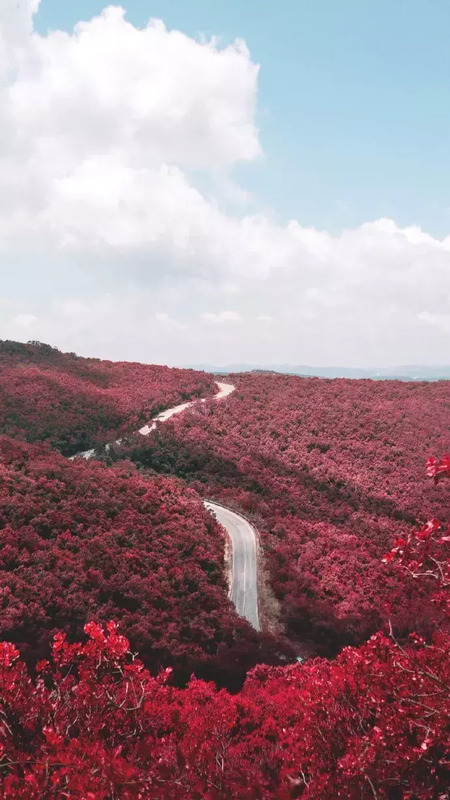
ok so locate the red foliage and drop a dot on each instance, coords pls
(329, 471)
(421, 552)
(75, 403)
(95, 725)
(426, 553)
(438, 469)
(81, 541)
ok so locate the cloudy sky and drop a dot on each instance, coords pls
(188, 181)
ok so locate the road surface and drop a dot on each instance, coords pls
(163, 416)
(224, 390)
(244, 581)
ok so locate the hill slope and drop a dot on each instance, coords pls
(330, 471)
(75, 403)
(82, 542)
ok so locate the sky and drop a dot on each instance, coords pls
(191, 181)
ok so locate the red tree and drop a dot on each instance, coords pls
(93, 724)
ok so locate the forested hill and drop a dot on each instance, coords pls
(114, 597)
(75, 403)
(330, 471)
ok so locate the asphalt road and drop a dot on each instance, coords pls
(244, 582)
(163, 416)
(224, 390)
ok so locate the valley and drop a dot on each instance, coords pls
(244, 576)
(134, 667)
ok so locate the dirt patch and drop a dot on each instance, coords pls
(268, 605)
(228, 562)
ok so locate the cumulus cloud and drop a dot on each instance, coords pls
(107, 136)
(25, 321)
(221, 317)
(16, 20)
(439, 321)
(167, 322)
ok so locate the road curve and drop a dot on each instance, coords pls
(244, 581)
(225, 389)
(163, 416)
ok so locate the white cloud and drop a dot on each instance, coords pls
(167, 322)
(439, 321)
(15, 29)
(221, 317)
(25, 321)
(107, 136)
(149, 96)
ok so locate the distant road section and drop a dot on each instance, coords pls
(163, 416)
(244, 583)
(224, 390)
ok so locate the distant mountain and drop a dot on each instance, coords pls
(411, 372)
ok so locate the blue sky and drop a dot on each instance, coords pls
(173, 198)
(354, 105)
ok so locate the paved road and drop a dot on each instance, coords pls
(163, 416)
(244, 582)
(224, 390)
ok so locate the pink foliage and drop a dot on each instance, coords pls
(80, 541)
(75, 403)
(330, 472)
(438, 469)
(95, 724)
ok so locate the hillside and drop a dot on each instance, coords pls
(75, 403)
(125, 672)
(81, 542)
(330, 471)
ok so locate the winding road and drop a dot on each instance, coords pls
(224, 390)
(244, 581)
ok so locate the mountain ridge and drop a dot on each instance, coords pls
(409, 372)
